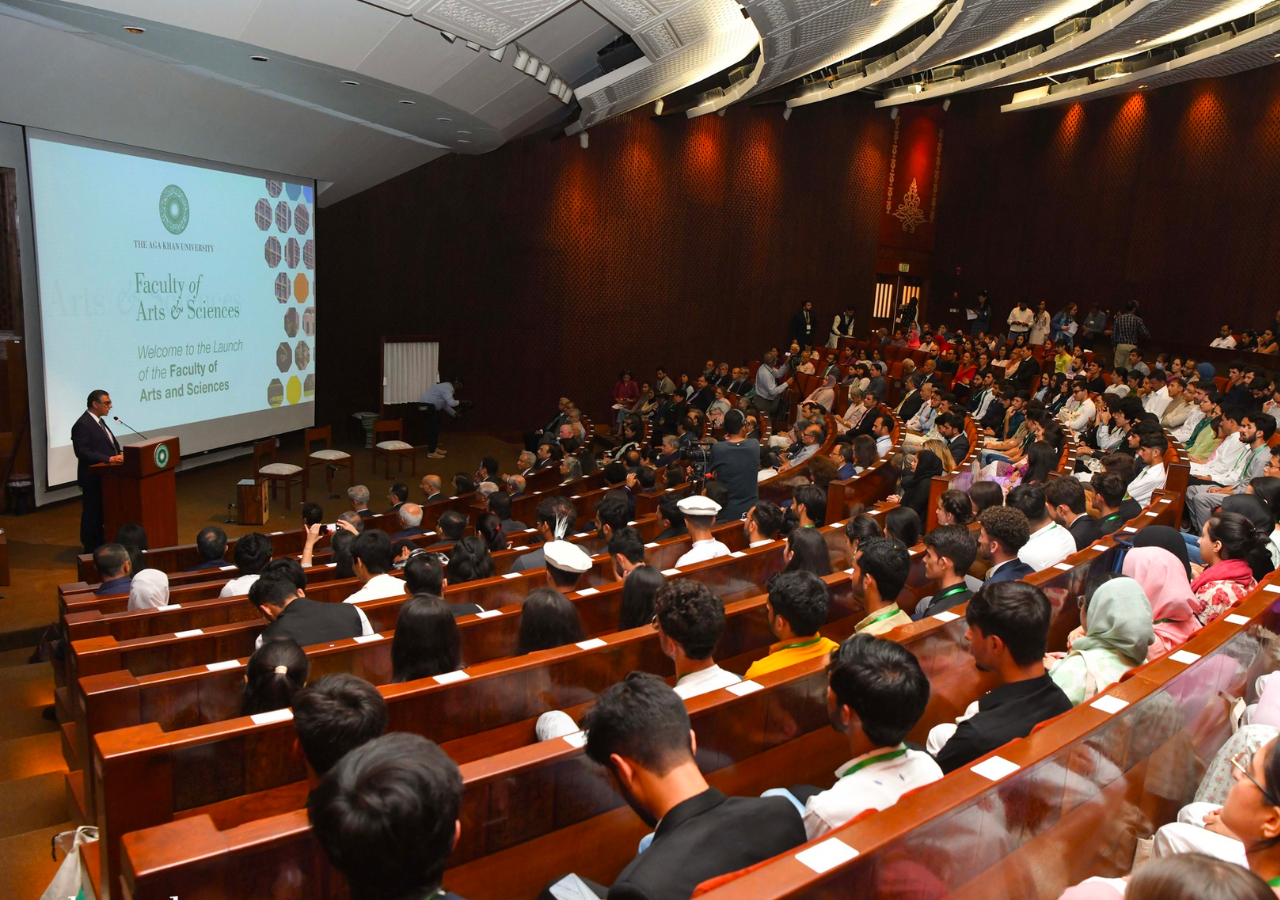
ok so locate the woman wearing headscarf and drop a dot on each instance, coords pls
(1162, 578)
(824, 396)
(1117, 623)
(915, 483)
(150, 589)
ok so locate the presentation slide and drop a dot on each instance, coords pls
(186, 291)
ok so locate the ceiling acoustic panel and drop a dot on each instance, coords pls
(489, 23)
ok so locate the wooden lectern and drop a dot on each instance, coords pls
(141, 489)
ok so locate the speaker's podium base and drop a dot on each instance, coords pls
(252, 502)
(141, 489)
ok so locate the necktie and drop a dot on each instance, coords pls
(111, 437)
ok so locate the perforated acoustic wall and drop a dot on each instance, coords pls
(1168, 197)
(545, 268)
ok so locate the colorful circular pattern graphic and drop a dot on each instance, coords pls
(309, 254)
(292, 191)
(283, 216)
(175, 211)
(272, 251)
(262, 214)
(275, 392)
(302, 355)
(309, 386)
(282, 288)
(301, 219)
(292, 252)
(284, 357)
(301, 287)
(309, 321)
(291, 322)
(294, 390)
(273, 188)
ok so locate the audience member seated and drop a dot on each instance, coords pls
(1048, 543)
(878, 692)
(1228, 541)
(548, 619)
(949, 551)
(489, 530)
(211, 544)
(1107, 498)
(690, 621)
(1163, 579)
(699, 517)
(639, 731)
(449, 527)
(340, 545)
(500, 505)
(371, 558)
(1003, 534)
(133, 537)
(806, 551)
(984, 495)
(350, 521)
(469, 560)
(276, 671)
(410, 515)
(148, 590)
(556, 518)
(903, 526)
(916, 482)
(432, 487)
(1008, 632)
(879, 572)
(954, 508)
(426, 640)
(253, 551)
(396, 495)
(114, 568)
(797, 607)
(292, 615)
(424, 574)
(1238, 460)
(387, 817)
(763, 523)
(1067, 504)
(358, 494)
(463, 484)
(1195, 876)
(1114, 635)
(334, 715)
(639, 588)
(810, 506)
(566, 564)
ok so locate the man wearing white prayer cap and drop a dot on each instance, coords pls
(699, 515)
(566, 564)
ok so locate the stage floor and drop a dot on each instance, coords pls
(43, 545)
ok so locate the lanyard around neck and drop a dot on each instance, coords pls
(881, 757)
(813, 640)
(950, 592)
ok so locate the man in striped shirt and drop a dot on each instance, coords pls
(1125, 333)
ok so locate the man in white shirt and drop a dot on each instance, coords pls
(763, 523)
(882, 431)
(1157, 397)
(1152, 445)
(371, 559)
(922, 421)
(253, 551)
(1226, 340)
(771, 384)
(690, 621)
(1202, 406)
(1049, 543)
(1079, 411)
(1020, 320)
(1119, 382)
(876, 694)
(1222, 464)
(699, 517)
(982, 400)
(1180, 404)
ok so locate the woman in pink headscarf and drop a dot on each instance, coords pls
(1164, 580)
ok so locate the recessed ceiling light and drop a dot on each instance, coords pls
(464, 132)
(1275, 56)
(1028, 18)
(463, 141)
(1140, 41)
(443, 119)
(1142, 87)
(407, 102)
(134, 29)
(352, 83)
(259, 58)
(875, 2)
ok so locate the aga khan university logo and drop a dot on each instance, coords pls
(175, 211)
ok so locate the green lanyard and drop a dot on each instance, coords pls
(814, 640)
(884, 615)
(1274, 882)
(949, 592)
(1248, 461)
(871, 760)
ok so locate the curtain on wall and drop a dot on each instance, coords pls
(409, 370)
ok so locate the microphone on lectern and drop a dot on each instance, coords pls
(131, 428)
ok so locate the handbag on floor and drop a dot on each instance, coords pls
(66, 882)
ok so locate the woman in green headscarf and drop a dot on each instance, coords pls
(1115, 619)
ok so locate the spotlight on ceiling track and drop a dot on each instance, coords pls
(448, 37)
(946, 105)
(544, 72)
(555, 86)
(583, 140)
(472, 45)
(720, 112)
(522, 58)
(531, 67)
(657, 107)
(893, 113)
(497, 54)
(786, 114)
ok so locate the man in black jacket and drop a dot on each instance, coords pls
(93, 443)
(292, 615)
(640, 732)
(951, 427)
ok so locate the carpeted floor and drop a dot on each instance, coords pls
(44, 544)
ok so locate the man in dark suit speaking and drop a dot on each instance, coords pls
(93, 442)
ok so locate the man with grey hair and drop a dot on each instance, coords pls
(431, 487)
(410, 515)
(516, 486)
(670, 451)
(483, 491)
(527, 462)
(359, 497)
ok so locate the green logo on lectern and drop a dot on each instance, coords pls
(175, 212)
(161, 455)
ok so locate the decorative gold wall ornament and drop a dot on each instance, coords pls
(909, 212)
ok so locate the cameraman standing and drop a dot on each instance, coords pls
(735, 462)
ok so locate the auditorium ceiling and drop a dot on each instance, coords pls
(353, 92)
